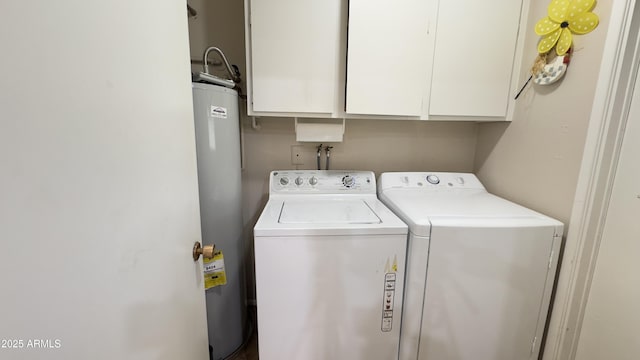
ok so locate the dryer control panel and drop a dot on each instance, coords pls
(429, 180)
(322, 182)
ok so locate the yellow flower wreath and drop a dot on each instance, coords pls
(565, 17)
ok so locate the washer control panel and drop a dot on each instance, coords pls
(322, 182)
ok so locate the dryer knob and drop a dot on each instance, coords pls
(313, 180)
(284, 181)
(433, 179)
(299, 181)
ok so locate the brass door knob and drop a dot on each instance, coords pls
(206, 251)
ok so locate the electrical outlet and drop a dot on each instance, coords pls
(296, 155)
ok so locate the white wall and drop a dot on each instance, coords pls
(535, 159)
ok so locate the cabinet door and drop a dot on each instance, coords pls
(474, 57)
(387, 57)
(294, 47)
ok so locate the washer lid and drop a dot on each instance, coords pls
(343, 211)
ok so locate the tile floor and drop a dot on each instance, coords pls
(250, 352)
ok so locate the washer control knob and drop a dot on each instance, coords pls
(313, 181)
(348, 181)
(433, 179)
(299, 181)
(284, 181)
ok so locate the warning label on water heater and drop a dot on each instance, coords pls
(218, 112)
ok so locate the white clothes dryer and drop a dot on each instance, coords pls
(329, 262)
(480, 269)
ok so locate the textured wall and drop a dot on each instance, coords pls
(535, 159)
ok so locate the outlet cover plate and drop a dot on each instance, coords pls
(296, 155)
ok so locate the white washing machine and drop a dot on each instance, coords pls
(329, 262)
(480, 269)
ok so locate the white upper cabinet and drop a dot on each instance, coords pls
(474, 54)
(387, 56)
(403, 59)
(293, 55)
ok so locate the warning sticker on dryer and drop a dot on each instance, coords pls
(218, 112)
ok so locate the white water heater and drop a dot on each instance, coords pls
(217, 129)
